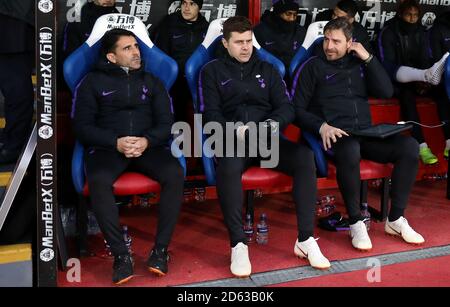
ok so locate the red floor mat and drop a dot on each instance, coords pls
(200, 250)
(433, 272)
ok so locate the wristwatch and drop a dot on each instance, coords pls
(367, 61)
(272, 124)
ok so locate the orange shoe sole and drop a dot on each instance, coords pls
(121, 282)
(157, 272)
(400, 237)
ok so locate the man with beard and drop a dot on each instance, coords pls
(122, 116)
(178, 35)
(330, 99)
(76, 33)
(279, 31)
(404, 55)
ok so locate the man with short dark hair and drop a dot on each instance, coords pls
(348, 9)
(330, 98)
(122, 115)
(239, 87)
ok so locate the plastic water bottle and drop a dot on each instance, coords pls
(126, 238)
(262, 230)
(248, 228)
(365, 214)
(107, 251)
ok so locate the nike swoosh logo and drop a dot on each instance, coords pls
(177, 36)
(328, 77)
(399, 233)
(107, 93)
(269, 43)
(225, 82)
(306, 254)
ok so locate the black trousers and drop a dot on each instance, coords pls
(17, 88)
(295, 160)
(103, 167)
(400, 150)
(443, 107)
(406, 94)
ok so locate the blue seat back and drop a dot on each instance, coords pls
(313, 38)
(83, 60)
(447, 76)
(201, 56)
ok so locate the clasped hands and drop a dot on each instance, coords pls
(132, 146)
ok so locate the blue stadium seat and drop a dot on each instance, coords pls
(324, 165)
(83, 59)
(254, 177)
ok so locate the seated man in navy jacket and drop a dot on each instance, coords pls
(122, 115)
(239, 87)
(331, 100)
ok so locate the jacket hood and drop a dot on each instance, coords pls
(111, 68)
(443, 19)
(91, 11)
(188, 24)
(277, 23)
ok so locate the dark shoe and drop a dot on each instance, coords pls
(157, 262)
(8, 156)
(122, 269)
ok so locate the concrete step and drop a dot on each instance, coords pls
(16, 269)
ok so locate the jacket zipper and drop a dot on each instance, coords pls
(246, 94)
(129, 102)
(354, 100)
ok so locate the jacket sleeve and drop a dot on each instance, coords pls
(283, 110)
(209, 96)
(71, 39)
(161, 36)
(436, 40)
(84, 114)
(304, 86)
(388, 57)
(364, 39)
(162, 117)
(377, 80)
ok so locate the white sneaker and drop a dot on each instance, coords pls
(360, 237)
(433, 74)
(401, 228)
(310, 250)
(240, 263)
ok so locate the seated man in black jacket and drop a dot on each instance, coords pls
(122, 116)
(239, 87)
(279, 31)
(331, 101)
(178, 35)
(404, 54)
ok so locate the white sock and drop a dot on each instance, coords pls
(407, 74)
(433, 74)
(423, 145)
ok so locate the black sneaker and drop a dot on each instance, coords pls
(122, 269)
(157, 261)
